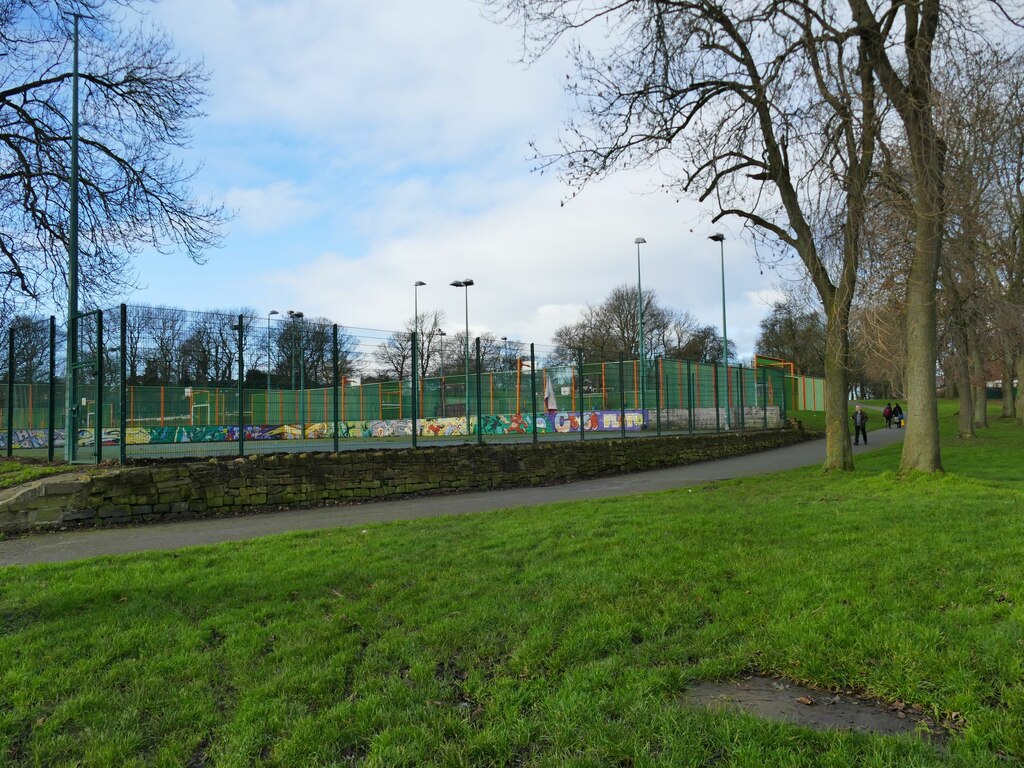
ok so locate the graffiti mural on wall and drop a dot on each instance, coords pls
(29, 438)
(494, 424)
(597, 421)
(36, 438)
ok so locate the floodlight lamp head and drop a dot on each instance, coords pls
(718, 237)
(467, 282)
(273, 312)
(418, 283)
(455, 283)
(639, 241)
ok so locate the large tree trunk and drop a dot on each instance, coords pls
(838, 451)
(1020, 388)
(979, 391)
(921, 450)
(921, 445)
(1009, 405)
(958, 363)
(912, 99)
(965, 421)
(949, 373)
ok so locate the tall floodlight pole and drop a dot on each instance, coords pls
(416, 317)
(71, 396)
(302, 371)
(269, 353)
(296, 317)
(465, 284)
(719, 238)
(640, 320)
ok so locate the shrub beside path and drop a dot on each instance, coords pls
(61, 546)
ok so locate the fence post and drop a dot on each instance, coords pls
(479, 398)
(533, 391)
(123, 436)
(622, 397)
(415, 386)
(743, 418)
(10, 391)
(764, 394)
(657, 394)
(100, 351)
(334, 355)
(689, 397)
(785, 407)
(241, 386)
(51, 416)
(579, 387)
(718, 413)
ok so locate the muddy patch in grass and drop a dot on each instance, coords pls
(783, 700)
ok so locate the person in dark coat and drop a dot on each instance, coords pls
(897, 415)
(887, 415)
(860, 426)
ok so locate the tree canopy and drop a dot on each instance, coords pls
(610, 329)
(137, 100)
(796, 336)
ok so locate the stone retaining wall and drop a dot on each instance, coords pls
(225, 486)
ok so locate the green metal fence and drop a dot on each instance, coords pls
(157, 382)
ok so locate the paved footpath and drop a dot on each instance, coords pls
(74, 545)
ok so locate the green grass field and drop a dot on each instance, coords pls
(14, 471)
(814, 421)
(555, 636)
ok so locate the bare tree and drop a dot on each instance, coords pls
(1009, 242)
(900, 45)
(430, 340)
(703, 345)
(767, 112)
(302, 352)
(139, 325)
(796, 336)
(137, 100)
(31, 361)
(612, 328)
(393, 356)
(162, 354)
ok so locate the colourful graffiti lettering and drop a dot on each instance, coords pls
(495, 424)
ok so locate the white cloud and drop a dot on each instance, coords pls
(535, 264)
(425, 78)
(274, 207)
(370, 145)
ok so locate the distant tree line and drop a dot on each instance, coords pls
(173, 347)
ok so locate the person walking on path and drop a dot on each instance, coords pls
(887, 415)
(860, 426)
(897, 415)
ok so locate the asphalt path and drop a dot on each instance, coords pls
(60, 546)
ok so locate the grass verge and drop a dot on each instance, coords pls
(17, 471)
(554, 636)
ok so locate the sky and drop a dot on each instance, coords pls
(365, 146)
